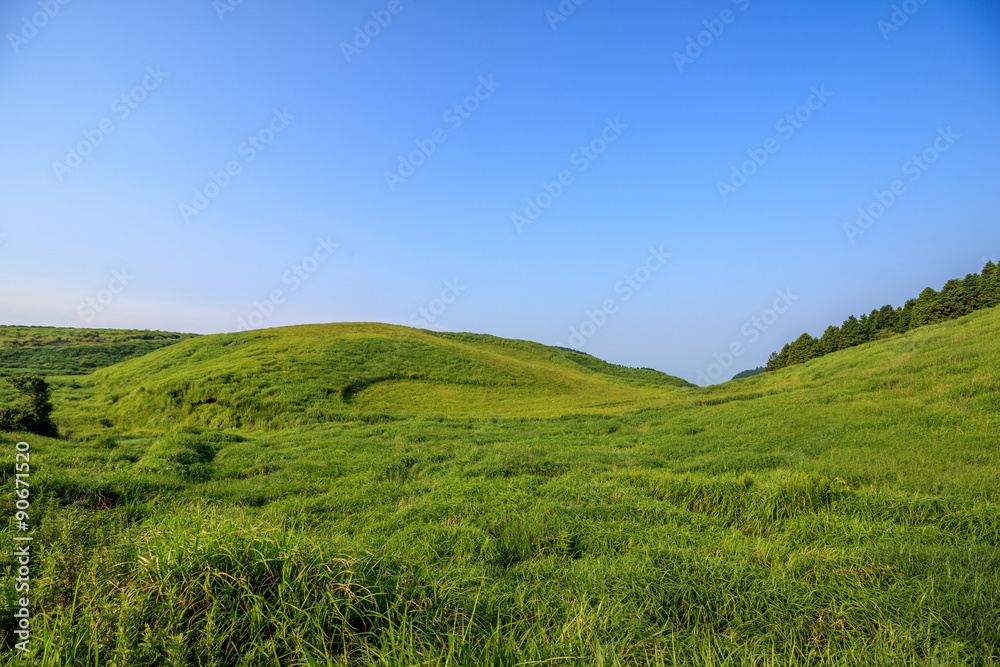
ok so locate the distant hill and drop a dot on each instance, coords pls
(750, 373)
(70, 351)
(642, 376)
(315, 373)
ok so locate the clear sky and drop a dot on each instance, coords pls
(649, 175)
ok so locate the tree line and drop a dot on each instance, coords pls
(957, 298)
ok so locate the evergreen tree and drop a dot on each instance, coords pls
(772, 362)
(876, 324)
(851, 333)
(989, 294)
(864, 326)
(803, 349)
(972, 286)
(925, 311)
(887, 317)
(987, 272)
(830, 342)
(950, 302)
(904, 316)
(782, 360)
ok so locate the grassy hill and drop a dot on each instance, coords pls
(69, 351)
(468, 500)
(316, 373)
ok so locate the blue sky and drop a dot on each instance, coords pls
(207, 166)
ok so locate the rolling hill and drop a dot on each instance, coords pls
(315, 373)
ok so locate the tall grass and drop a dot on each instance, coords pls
(842, 512)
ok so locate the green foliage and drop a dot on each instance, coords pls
(803, 349)
(831, 340)
(990, 289)
(904, 316)
(928, 308)
(34, 413)
(851, 333)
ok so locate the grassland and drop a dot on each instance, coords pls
(70, 351)
(374, 495)
(277, 378)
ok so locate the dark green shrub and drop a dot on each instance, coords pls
(34, 414)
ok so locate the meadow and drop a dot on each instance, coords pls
(375, 495)
(70, 351)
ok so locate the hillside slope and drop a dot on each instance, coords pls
(304, 374)
(957, 360)
(923, 406)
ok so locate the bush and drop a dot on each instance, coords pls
(35, 412)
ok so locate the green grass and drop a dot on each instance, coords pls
(374, 495)
(286, 377)
(67, 351)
